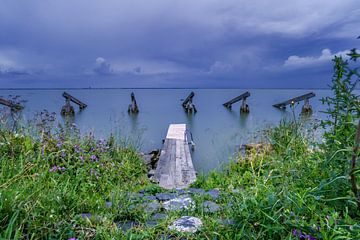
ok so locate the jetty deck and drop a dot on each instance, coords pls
(175, 168)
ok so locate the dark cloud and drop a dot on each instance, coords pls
(181, 43)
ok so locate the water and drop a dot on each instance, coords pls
(217, 131)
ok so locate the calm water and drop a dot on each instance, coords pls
(217, 131)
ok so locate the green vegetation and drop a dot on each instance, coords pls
(295, 189)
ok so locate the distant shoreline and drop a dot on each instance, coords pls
(125, 88)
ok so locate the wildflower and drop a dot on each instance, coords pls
(82, 158)
(59, 144)
(73, 238)
(94, 158)
(53, 169)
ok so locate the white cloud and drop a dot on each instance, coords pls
(220, 67)
(326, 56)
(102, 67)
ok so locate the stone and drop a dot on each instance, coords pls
(86, 215)
(165, 196)
(211, 207)
(150, 197)
(108, 204)
(229, 222)
(126, 226)
(151, 206)
(178, 204)
(186, 224)
(213, 193)
(151, 223)
(159, 216)
(199, 191)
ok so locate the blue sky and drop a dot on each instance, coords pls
(174, 43)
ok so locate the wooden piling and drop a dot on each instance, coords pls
(13, 106)
(188, 105)
(133, 107)
(67, 109)
(244, 106)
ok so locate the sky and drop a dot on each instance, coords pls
(174, 43)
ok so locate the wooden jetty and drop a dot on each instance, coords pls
(306, 109)
(175, 168)
(13, 106)
(67, 109)
(244, 106)
(133, 107)
(188, 105)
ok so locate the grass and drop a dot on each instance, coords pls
(283, 193)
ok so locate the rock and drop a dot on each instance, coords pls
(211, 207)
(86, 215)
(125, 226)
(165, 196)
(159, 216)
(180, 191)
(151, 173)
(199, 191)
(186, 224)
(150, 197)
(151, 159)
(214, 193)
(151, 206)
(108, 204)
(151, 223)
(229, 222)
(178, 204)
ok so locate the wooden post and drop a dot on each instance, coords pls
(307, 96)
(244, 106)
(187, 104)
(306, 109)
(67, 109)
(133, 108)
(13, 106)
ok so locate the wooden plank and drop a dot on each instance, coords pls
(238, 98)
(189, 98)
(10, 104)
(175, 168)
(74, 100)
(294, 100)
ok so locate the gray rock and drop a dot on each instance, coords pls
(159, 216)
(211, 207)
(214, 193)
(151, 207)
(199, 191)
(108, 204)
(178, 204)
(229, 222)
(150, 197)
(151, 223)
(86, 215)
(126, 226)
(186, 224)
(165, 196)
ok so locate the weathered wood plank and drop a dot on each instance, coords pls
(175, 168)
(294, 100)
(74, 100)
(238, 98)
(10, 104)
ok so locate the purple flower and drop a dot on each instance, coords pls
(59, 144)
(82, 158)
(73, 238)
(53, 169)
(94, 158)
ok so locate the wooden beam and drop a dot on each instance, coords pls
(238, 98)
(74, 100)
(189, 98)
(283, 105)
(10, 104)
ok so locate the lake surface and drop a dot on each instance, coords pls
(217, 131)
